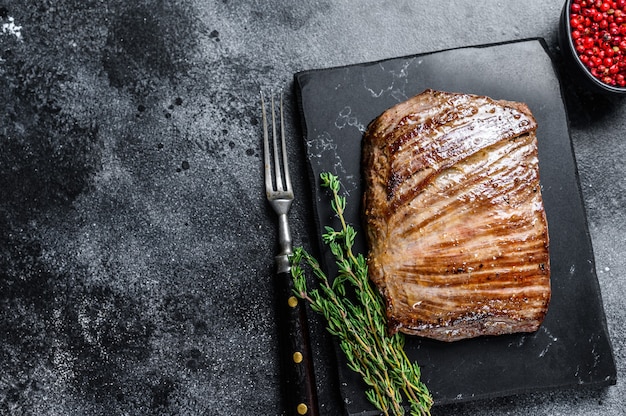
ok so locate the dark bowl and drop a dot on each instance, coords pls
(579, 72)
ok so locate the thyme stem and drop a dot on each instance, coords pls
(360, 324)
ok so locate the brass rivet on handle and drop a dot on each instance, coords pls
(292, 301)
(297, 357)
(302, 409)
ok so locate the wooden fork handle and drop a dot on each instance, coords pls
(298, 377)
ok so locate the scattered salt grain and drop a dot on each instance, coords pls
(12, 29)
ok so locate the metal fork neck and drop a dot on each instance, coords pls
(284, 244)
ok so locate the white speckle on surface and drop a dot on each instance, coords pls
(12, 29)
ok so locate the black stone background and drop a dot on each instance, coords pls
(135, 242)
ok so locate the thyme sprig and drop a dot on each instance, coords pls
(358, 318)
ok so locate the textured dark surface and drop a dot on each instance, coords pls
(135, 242)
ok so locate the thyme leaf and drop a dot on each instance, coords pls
(357, 318)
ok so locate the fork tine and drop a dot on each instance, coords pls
(284, 148)
(269, 187)
(277, 172)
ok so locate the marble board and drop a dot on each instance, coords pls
(572, 347)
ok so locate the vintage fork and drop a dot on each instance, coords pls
(296, 360)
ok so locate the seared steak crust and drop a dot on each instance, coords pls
(457, 233)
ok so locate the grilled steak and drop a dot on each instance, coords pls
(457, 233)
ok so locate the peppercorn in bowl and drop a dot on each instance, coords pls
(592, 37)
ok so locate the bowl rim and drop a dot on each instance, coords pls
(570, 42)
